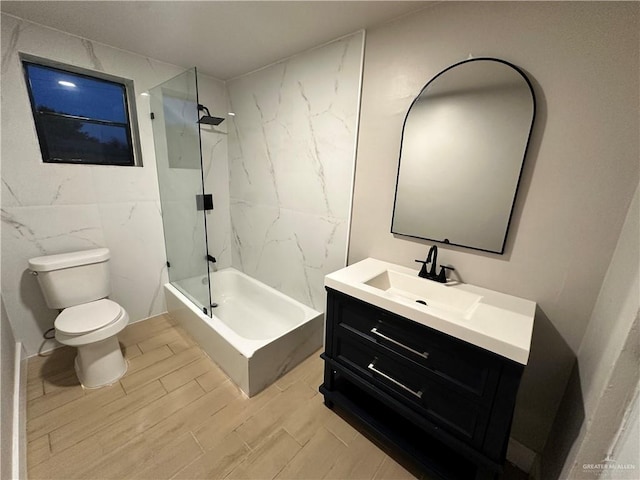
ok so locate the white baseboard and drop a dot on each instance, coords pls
(522, 457)
(19, 427)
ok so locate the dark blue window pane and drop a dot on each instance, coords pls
(70, 140)
(58, 91)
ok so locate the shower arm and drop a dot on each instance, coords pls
(206, 118)
(202, 108)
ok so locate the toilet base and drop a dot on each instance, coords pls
(100, 364)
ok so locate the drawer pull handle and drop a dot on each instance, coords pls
(373, 368)
(375, 331)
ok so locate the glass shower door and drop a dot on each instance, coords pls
(176, 134)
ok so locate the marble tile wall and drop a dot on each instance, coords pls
(212, 94)
(291, 159)
(281, 196)
(48, 208)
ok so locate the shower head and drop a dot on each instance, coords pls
(208, 119)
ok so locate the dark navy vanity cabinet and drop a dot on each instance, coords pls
(443, 402)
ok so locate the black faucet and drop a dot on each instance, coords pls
(432, 258)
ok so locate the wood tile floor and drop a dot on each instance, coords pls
(176, 415)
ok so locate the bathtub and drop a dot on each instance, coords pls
(256, 334)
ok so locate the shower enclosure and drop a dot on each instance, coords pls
(176, 133)
(256, 333)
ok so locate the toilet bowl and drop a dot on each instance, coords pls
(78, 283)
(92, 328)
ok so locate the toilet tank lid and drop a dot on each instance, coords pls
(59, 261)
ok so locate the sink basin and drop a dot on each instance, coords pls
(494, 321)
(419, 290)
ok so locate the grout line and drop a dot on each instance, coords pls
(384, 459)
(180, 368)
(245, 443)
(32, 465)
(197, 442)
(185, 466)
(336, 436)
(198, 382)
(293, 436)
(284, 466)
(166, 392)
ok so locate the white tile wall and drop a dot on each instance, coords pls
(212, 94)
(281, 196)
(49, 208)
(291, 158)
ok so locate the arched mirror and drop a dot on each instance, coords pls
(464, 141)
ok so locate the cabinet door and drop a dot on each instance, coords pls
(408, 383)
(465, 368)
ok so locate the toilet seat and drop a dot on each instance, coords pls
(88, 317)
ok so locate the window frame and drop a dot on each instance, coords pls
(131, 124)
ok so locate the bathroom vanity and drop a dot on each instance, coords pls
(432, 369)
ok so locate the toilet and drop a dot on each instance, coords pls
(78, 284)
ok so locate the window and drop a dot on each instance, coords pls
(81, 117)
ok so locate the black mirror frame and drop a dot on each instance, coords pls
(526, 149)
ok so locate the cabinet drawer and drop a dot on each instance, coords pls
(407, 381)
(469, 370)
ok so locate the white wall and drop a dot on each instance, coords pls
(607, 373)
(626, 449)
(48, 208)
(579, 176)
(614, 314)
(291, 156)
(7, 386)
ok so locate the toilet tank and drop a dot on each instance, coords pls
(69, 279)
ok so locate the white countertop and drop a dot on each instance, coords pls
(500, 323)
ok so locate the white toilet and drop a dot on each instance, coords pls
(78, 283)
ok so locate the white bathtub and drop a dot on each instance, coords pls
(256, 334)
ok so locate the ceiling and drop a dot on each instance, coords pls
(222, 38)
